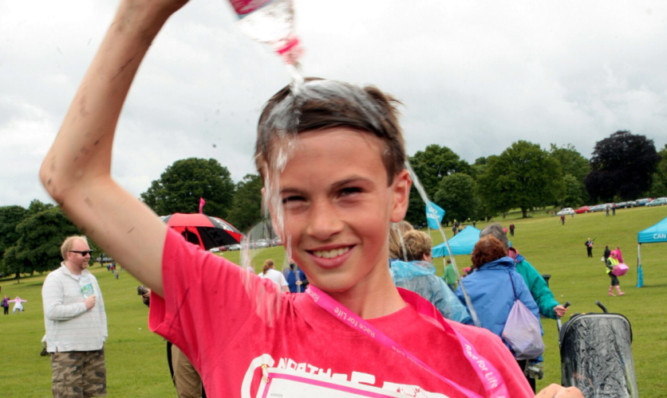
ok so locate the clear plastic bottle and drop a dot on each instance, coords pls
(86, 285)
(270, 22)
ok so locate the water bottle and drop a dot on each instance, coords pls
(270, 22)
(86, 285)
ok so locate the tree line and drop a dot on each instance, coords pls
(623, 166)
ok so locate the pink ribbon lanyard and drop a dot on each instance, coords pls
(486, 372)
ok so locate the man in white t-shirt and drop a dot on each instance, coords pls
(269, 272)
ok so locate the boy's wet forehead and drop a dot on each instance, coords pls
(314, 149)
(287, 147)
(284, 117)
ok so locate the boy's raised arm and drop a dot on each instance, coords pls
(77, 169)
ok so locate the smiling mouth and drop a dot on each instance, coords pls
(330, 253)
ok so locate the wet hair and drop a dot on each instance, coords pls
(68, 243)
(417, 245)
(496, 230)
(396, 240)
(268, 263)
(321, 104)
(487, 249)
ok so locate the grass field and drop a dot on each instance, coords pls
(136, 359)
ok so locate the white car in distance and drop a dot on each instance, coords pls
(565, 211)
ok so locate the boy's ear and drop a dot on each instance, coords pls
(400, 195)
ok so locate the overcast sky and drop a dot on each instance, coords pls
(473, 75)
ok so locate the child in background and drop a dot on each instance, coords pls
(5, 305)
(450, 275)
(18, 304)
(611, 261)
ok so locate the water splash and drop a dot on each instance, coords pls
(272, 226)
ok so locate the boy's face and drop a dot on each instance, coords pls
(338, 208)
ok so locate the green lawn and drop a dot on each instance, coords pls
(559, 250)
(136, 359)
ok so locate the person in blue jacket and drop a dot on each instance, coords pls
(296, 278)
(492, 285)
(418, 274)
(549, 307)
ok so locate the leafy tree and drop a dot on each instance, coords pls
(434, 163)
(37, 206)
(659, 187)
(480, 161)
(662, 166)
(182, 184)
(416, 214)
(10, 217)
(622, 165)
(11, 264)
(483, 210)
(38, 246)
(430, 166)
(456, 194)
(523, 176)
(572, 164)
(246, 209)
(570, 161)
(599, 187)
(574, 193)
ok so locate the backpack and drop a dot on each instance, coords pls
(522, 330)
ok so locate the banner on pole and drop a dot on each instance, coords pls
(434, 214)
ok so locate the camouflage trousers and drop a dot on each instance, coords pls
(79, 374)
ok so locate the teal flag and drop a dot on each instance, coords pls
(434, 214)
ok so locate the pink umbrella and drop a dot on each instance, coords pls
(203, 230)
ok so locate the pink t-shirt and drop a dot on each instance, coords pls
(246, 339)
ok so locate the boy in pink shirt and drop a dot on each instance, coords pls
(332, 158)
